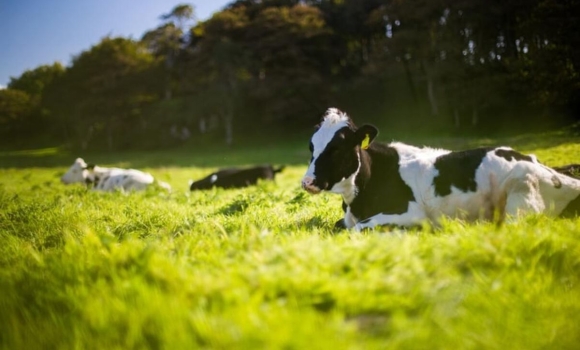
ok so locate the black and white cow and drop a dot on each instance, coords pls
(109, 179)
(236, 177)
(572, 170)
(402, 185)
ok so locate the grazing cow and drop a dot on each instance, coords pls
(235, 177)
(109, 179)
(402, 185)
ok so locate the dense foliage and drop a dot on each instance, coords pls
(263, 66)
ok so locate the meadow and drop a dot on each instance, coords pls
(261, 267)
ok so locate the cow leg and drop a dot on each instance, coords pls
(340, 225)
(413, 217)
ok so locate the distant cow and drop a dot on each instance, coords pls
(402, 185)
(572, 170)
(236, 177)
(109, 179)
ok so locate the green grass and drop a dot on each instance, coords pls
(261, 267)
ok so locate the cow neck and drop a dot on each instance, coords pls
(364, 172)
(357, 179)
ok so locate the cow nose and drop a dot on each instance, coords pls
(308, 185)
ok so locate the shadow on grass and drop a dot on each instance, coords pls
(280, 154)
(292, 152)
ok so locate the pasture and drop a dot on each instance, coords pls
(261, 267)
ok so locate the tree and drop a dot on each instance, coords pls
(180, 14)
(101, 95)
(34, 81)
(31, 118)
(218, 66)
(15, 110)
(169, 39)
(292, 60)
(414, 64)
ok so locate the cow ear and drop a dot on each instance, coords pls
(90, 166)
(365, 135)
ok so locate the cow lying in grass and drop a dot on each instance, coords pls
(109, 179)
(572, 170)
(236, 178)
(402, 185)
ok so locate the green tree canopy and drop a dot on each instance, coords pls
(14, 107)
(413, 65)
(102, 92)
(34, 81)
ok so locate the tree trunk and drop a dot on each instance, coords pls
(85, 140)
(202, 125)
(432, 98)
(110, 138)
(430, 90)
(409, 79)
(168, 69)
(229, 127)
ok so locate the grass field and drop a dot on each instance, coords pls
(261, 267)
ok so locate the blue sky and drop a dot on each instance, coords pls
(37, 32)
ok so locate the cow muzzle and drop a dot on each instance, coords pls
(309, 186)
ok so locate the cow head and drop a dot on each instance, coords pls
(78, 172)
(335, 147)
(204, 184)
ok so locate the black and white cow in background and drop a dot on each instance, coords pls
(572, 170)
(402, 185)
(236, 177)
(109, 179)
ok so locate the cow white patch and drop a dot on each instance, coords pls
(347, 187)
(333, 121)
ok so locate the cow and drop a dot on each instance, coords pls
(109, 179)
(400, 185)
(572, 170)
(236, 177)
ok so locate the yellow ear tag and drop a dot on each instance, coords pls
(365, 142)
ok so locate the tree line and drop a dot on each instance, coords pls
(256, 66)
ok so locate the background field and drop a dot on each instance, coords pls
(261, 267)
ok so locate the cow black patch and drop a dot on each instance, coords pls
(510, 155)
(572, 209)
(385, 191)
(458, 169)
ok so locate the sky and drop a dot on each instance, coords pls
(38, 32)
